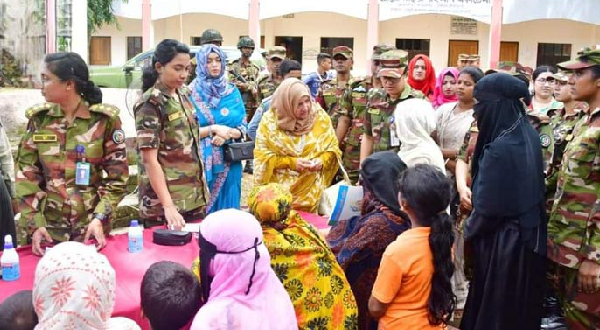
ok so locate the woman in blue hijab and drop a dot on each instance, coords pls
(222, 119)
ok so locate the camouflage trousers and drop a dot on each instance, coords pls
(581, 310)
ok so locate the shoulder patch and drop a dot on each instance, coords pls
(545, 140)
(38, 108)
(106, 109)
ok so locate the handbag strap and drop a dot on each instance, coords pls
(344, 173)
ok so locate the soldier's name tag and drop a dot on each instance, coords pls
(82, 174)
(175, 116)
(374, 111)
(37, 138)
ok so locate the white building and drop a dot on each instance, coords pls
(534, 32)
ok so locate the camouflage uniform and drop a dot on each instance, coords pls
(267, 84)
(163, 123)
(379, 115)
(330, 91)
(560, 132)
(353, 105)
(465, 153)
(46, 169)
(573, 235)
(248, 76)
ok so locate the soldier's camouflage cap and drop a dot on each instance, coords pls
(463, 57)
(277, 52)
(473, 57)
(561, 76)
(587, 57)
(342, 50)
(510, 67)
(380, 49)
(393, 63)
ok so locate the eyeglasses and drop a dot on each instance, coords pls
(548, 80)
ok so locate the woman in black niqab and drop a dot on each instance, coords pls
(506, 232)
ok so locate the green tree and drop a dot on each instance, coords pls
(100, 12)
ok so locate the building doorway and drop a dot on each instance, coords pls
(509, 51)
(293, 46)
(461, 47)
(100, 51)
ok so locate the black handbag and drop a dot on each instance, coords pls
(171, 237)
(238, 151)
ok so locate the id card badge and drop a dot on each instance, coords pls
(82, 171)
(394, 141)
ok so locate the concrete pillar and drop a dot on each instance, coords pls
(495, 33)
(372, 30)
(147, 36)
(254, 21)
(51, 26)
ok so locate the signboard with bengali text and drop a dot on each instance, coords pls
(476, 9)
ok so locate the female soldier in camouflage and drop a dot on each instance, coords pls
(172, 186)
(72, 165)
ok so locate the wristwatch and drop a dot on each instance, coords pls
(101, 216)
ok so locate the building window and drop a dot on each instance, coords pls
(328, 44)
(551, 54)
(134, 46)
(413, 46)
(195, 41)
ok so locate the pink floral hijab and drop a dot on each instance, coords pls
(74, 289)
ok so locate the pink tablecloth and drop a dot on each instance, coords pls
(130, 268)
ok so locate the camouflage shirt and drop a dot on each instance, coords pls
(353, 104)
(575, 218)
(379, 117)
(46, 169)
(248, 77)
(332, 95)
(171, 126)
(468, 147)
(559, 132)
(266, 87)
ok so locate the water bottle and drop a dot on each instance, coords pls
(10, 261)
(136, 237)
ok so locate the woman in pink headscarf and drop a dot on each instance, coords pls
(74, 288)
(239, 288)
(445, 87)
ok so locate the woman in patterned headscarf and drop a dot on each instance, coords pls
(296, 146)
(81, 295)
(222, 117)
(321, 295)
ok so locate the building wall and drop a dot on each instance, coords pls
(559, 31)
(312, 26)
(118, 42)
(194, 24)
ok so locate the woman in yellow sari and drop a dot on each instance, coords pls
(296, 146)
(303, 262)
